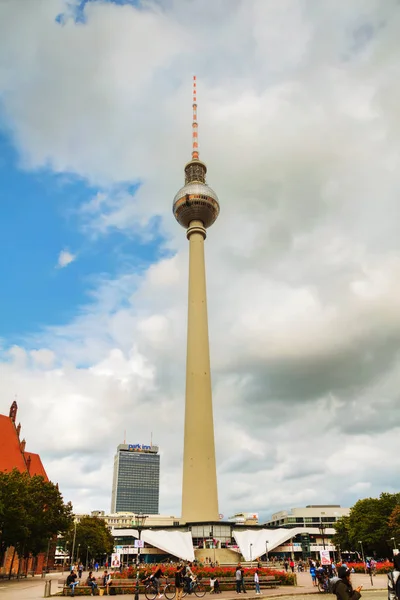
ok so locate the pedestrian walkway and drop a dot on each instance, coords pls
(33, 589)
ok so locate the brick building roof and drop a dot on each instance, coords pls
(12, 449)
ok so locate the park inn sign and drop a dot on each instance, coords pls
(139, 448)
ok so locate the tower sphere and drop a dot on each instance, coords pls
(196, 201)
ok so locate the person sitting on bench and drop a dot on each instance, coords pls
(91, 581)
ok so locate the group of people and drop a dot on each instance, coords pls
(288, 563)
(73, 580)
(239, 577)
(184, 580)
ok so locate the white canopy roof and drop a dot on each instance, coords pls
(253, 543)
(177, 543)
(125, 533)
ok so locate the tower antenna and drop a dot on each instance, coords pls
(195, 138)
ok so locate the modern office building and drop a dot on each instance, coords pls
(313, 515)
(136, 480)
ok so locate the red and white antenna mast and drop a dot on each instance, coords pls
(195, 138)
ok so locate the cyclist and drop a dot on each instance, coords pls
(155, 579)
(189, 579)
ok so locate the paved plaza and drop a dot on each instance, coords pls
(33, 588)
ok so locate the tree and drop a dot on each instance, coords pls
(13, 509)
(341, 537)
(32, 511)
(48, 516)
(368, 522)
(93, 538)
(394, 524)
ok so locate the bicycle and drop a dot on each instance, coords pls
(150, 591)
(197, 588)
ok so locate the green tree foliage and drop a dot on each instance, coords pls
(371, 522)
(394, 524)
(92, 537)
(32, 511)
(341, 537)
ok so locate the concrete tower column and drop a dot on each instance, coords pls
(199, 494)
(196, 207)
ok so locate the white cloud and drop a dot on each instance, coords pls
(65, 258)
(298, 111)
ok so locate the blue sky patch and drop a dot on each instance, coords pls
(40, 218)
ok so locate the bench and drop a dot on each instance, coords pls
(225, 583)
(118, 586)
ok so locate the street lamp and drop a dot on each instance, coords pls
(322, 529)
(394, 543)
(266, 552)
(73, 544)
(362, 554)
(78, 555)
(251, 553)
(87, 557)
(65, 555)
(139, 522)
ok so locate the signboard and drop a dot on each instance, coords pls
(325, 557)
(115, 560)
(139, 544)
(141, 448)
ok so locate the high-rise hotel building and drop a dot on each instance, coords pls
(136, 480)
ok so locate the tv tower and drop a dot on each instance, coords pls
(196, 207)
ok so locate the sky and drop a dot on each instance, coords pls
(299, 127)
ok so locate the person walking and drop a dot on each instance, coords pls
(242, 581)
(342, 587)
(394, 579)
(238, 579)
(257, 582)
(313, 573)
(292, 564)
(286, 564)
(179, 582)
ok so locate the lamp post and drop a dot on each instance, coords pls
(362, 554)
(322, 529)
(87, 557)
(78, 555)
(251, 553)
(73, 544)
(266, 552)
(139, 522)
(64, 557)
(47, 557)
(394, 543)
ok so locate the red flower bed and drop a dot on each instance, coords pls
(381, 567)
(205, 573)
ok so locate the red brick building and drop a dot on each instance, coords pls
(13, 455)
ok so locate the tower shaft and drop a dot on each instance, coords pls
(199, 494)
